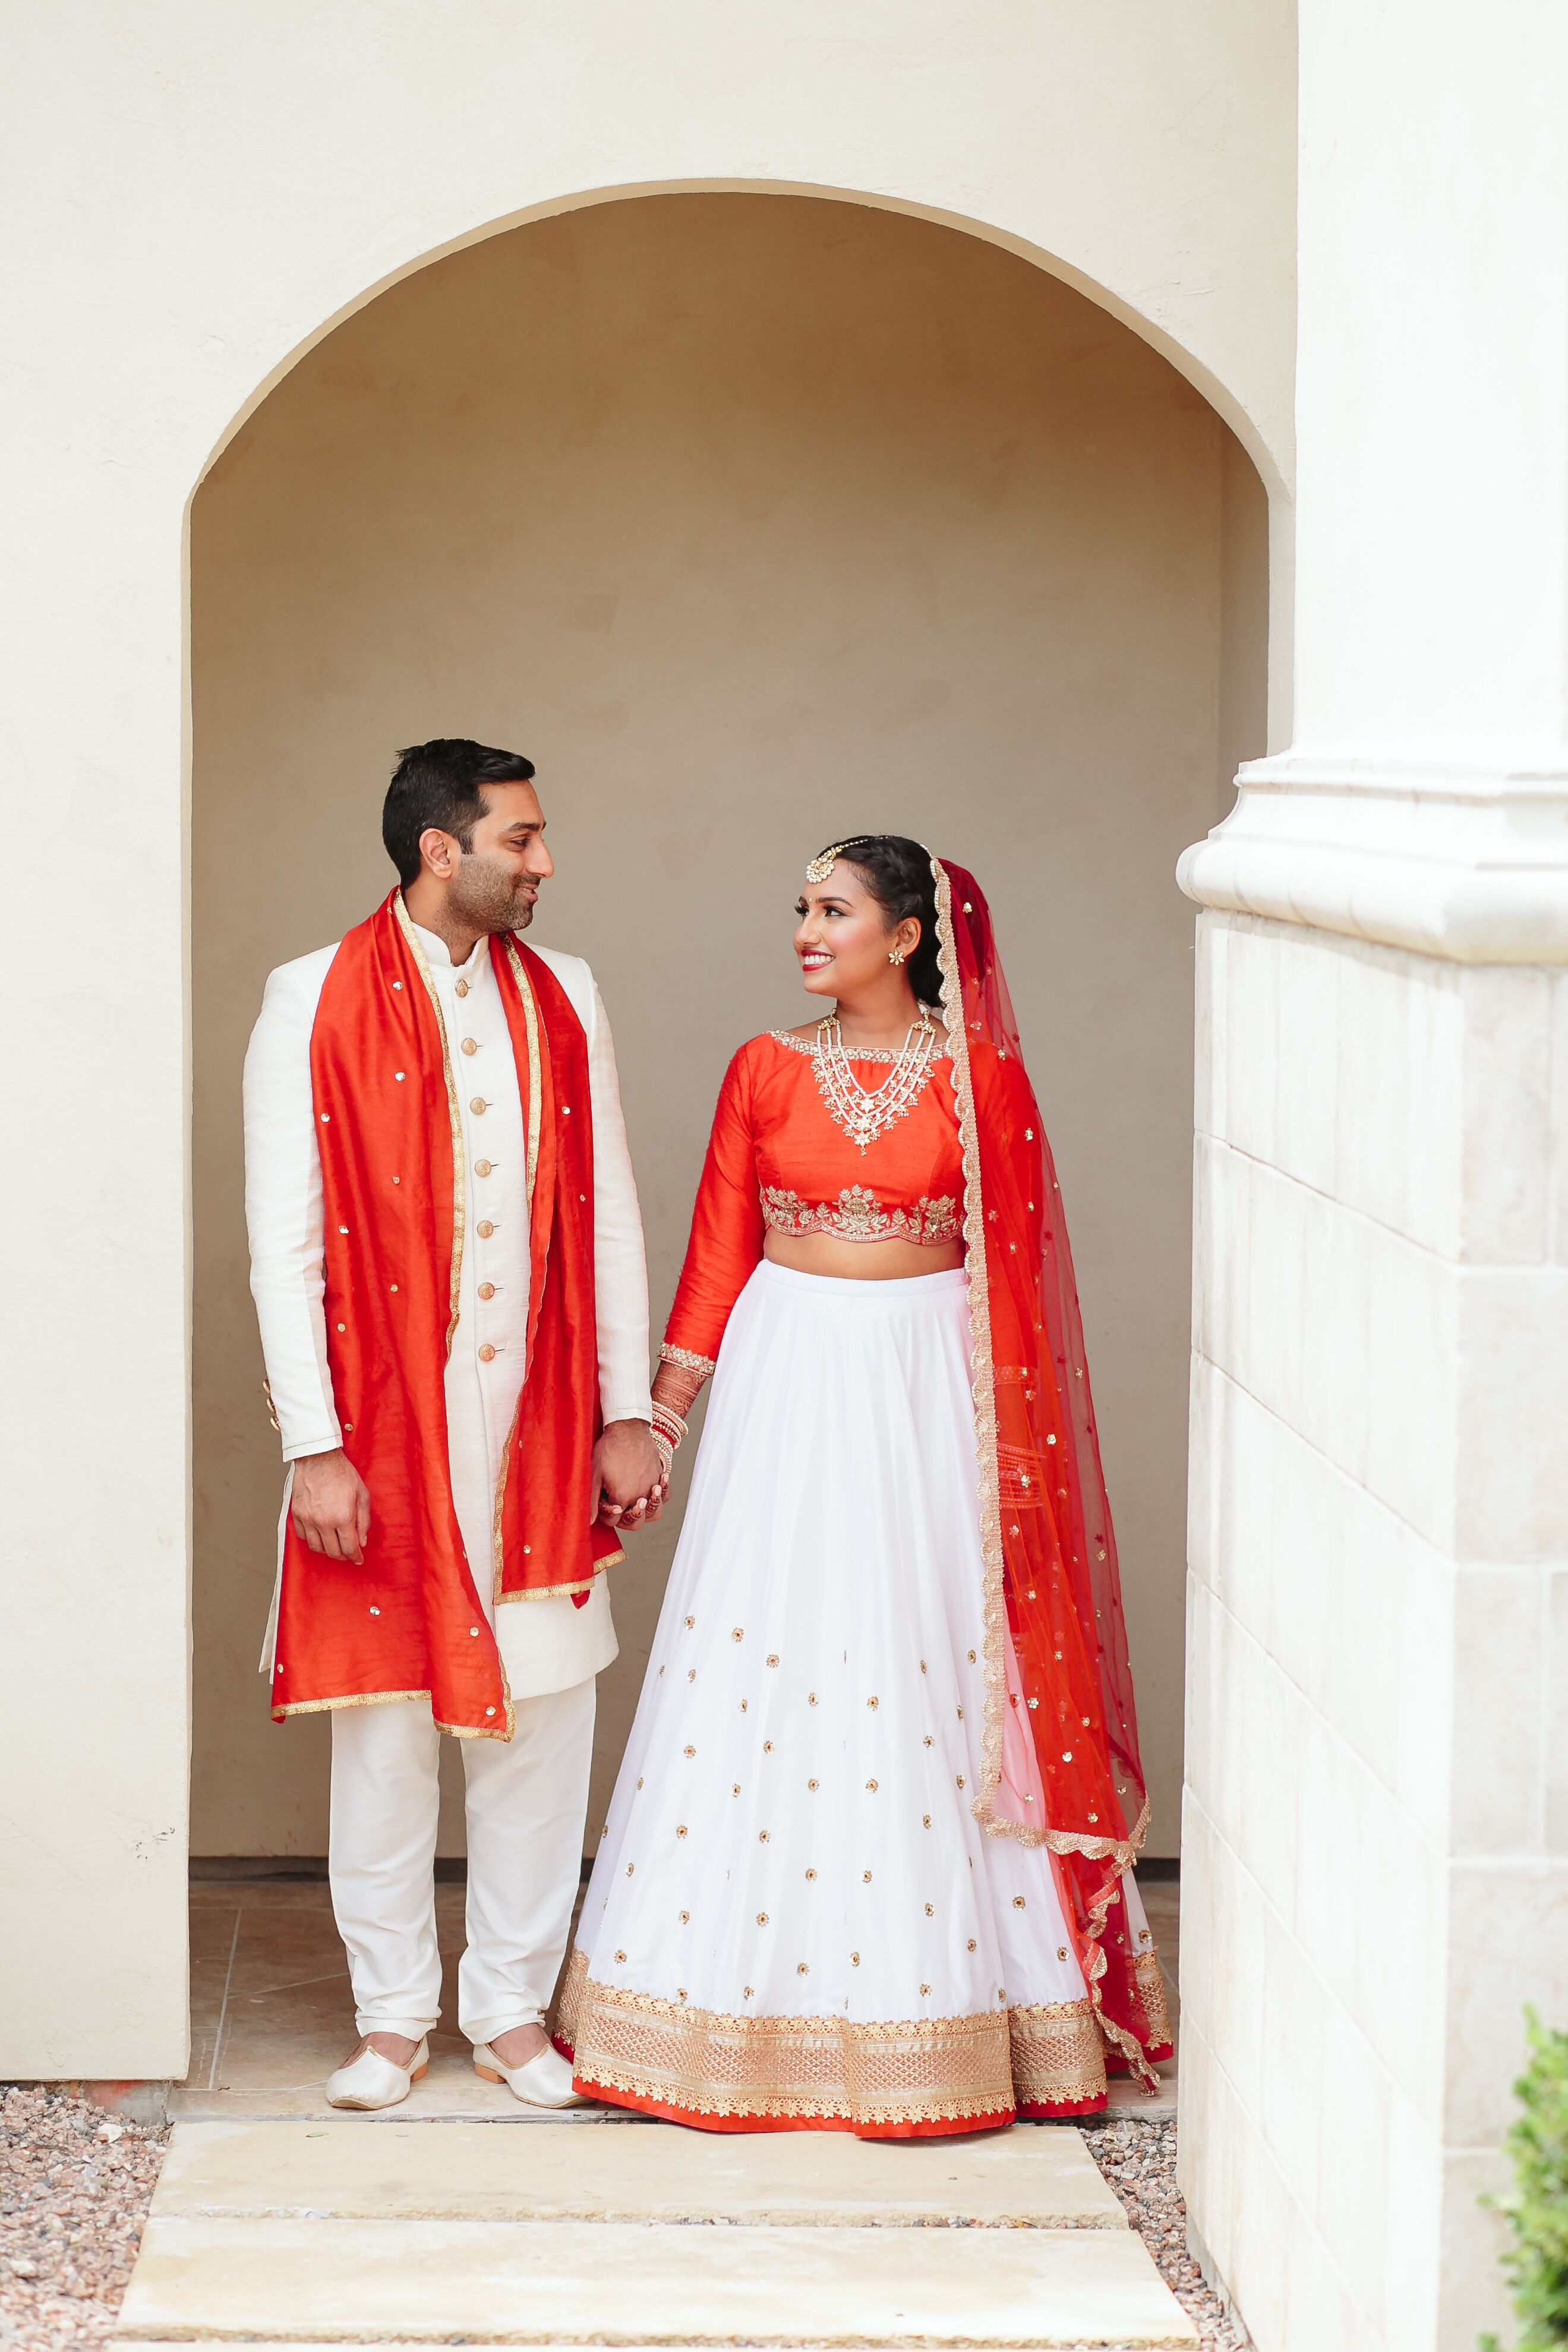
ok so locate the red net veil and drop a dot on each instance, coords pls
(1061, 1766)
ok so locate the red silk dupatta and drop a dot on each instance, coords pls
(408, 1623)
(1061, 1765)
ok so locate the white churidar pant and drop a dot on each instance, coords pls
(527, 1799)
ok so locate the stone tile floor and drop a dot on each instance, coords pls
(271, 2016)
(271, 2013)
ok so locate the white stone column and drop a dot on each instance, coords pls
(1376, 1857)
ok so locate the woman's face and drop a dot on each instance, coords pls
(845, 938)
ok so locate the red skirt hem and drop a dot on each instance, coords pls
(667, 2113)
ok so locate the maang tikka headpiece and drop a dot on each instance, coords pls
(820, 867)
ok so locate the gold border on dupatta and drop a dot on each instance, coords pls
(1123, 1852)
(1150, 1979)
(983, 1377)
(987, 1432)
(459, 1158)
(524, 989)
(391, 1698)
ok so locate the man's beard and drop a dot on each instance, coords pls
(486, 893)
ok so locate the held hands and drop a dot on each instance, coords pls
(630, 1480)
(330, 1506)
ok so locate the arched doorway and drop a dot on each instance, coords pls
(752, 520)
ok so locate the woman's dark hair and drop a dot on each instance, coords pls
(897, 872)
(441, 783)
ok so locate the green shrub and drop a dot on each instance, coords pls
(1537, 2211)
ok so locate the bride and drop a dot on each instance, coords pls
(868, 1864)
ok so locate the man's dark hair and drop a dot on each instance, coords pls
(441, 783)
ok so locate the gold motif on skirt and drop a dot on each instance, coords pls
(1149, 1978)
(1058, 2055)
(916, 2070)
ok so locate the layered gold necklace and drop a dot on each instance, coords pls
(866, 1112)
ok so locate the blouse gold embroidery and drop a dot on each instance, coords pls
(857, 1215)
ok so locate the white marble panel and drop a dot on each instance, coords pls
(1460, 2254)
(1511, 1433)
(1421, 1667)
(1507, 1166)
(1345, 1330)
(1227, 1993)
(1308, 1070)
(1205, 1707)
(1397, 1104)
(1410, 1383)
(1554, 1711)
(1251, 1042)
(1413, 2192)
(1222, 1254)
(1266, 2246)
(1296, 2022)
(1350, 2197)
(1501, 1650)
(1507, 1943)
(1557, 1210)
(1212, 1005)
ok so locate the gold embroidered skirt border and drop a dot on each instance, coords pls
(1150, 1980)
(919, 2070)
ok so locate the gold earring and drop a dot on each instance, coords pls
(897, 955)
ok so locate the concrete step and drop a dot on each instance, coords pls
(1027, 2178)
(303, 2233)
(611, 2283)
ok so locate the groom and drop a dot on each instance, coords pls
(446, 1257)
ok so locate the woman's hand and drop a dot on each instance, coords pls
(628, 1481)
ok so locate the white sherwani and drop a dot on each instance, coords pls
(527, 1798)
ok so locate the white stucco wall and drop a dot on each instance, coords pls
(194, 196)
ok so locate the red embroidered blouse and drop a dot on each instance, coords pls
(776, 1157)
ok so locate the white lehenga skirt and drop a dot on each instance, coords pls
(794, 1919)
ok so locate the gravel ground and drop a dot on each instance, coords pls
(1139, 2160)
(75, 2184)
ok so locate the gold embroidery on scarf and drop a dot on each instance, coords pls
(531, 1162)
(554, 1592)
(1151, 1983)
(389, 1698)
(984, 1376)
(363, 1698)
(917, 2070)
(459, 1163)
(987, 1435)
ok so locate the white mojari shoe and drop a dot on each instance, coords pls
(373, 2080)
(542, 2081)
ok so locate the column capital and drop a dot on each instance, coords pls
(1460, 857)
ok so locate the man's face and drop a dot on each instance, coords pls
(495, 884)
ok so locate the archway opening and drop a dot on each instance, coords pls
(753, 521)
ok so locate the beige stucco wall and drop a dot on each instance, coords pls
(752, 520)
(197, 195)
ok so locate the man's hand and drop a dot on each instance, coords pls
(330, 1506)
(628, 1481)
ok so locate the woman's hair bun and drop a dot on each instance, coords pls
(898, 874)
